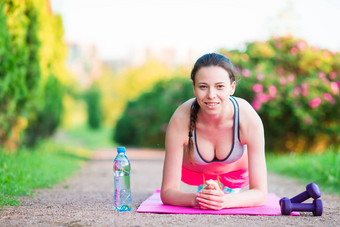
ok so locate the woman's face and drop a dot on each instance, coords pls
(212, 88)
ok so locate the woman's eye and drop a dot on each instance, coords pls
(202, 86)
(220, 86)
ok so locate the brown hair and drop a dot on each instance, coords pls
(206, 60)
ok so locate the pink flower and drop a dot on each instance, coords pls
(302, 45)
(260, 76)
(332, 75)
(291, 78)
(282, 80)
(294, 51)
(262, 98)
(334, 88)
(315, 102)
(256, 104)
(321, 75)
(258, 88)
(296, 91)
(246, 72)
(272, 90)
(327, 97)
(305, 87)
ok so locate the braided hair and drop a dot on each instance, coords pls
(206, 60)
(193, 117)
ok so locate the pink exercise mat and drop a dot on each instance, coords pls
(153, 204)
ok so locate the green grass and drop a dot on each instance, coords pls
(322, 169)
(42, 167)
(88, 138)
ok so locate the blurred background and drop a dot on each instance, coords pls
(118, 69)
(81, 75)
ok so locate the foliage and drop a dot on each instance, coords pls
(323, 169)
(295, 90)
(117, 88)
(92, 99)
(14, 56)
(32, 51)
(144, 120)
(47, 112)
(41, 167)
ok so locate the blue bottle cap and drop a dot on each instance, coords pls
(121, 149)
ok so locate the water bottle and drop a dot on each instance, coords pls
(121, 172)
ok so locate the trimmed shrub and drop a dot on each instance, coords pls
(94, 113)
(145, 120)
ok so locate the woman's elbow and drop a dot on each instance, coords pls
(165, 197)
(262, 198)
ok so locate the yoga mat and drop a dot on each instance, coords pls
(153, 204)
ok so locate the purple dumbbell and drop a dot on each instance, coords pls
(312, 190)
(287, 206)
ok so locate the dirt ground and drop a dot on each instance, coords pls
(86, 199)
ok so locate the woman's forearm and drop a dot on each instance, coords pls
(249, 198)
(177, 197)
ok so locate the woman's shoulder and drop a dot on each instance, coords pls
(181, 116)
(184, 109)
(180, 120)
(242, 103)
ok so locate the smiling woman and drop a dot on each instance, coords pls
(213, 140)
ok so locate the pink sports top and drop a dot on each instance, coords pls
(237, 149)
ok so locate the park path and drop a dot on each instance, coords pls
(86, 199)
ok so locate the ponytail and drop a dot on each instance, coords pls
(193, 117)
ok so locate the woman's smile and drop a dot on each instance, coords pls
(211, 105)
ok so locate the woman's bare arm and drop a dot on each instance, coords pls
(176, 137)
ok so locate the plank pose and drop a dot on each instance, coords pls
(215, 140)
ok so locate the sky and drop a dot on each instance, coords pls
(117, 27)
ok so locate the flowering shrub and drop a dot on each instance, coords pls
(295, 89)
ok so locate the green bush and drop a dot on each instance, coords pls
(32, 62)
(47, 111)
(15, 55)
(295, 90)
(94, 114)
(145, 120)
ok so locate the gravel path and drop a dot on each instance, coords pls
(86, 199)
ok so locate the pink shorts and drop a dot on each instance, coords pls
(235, 179)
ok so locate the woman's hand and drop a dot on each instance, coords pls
(210, 197)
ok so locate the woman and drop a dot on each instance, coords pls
(215, 140)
